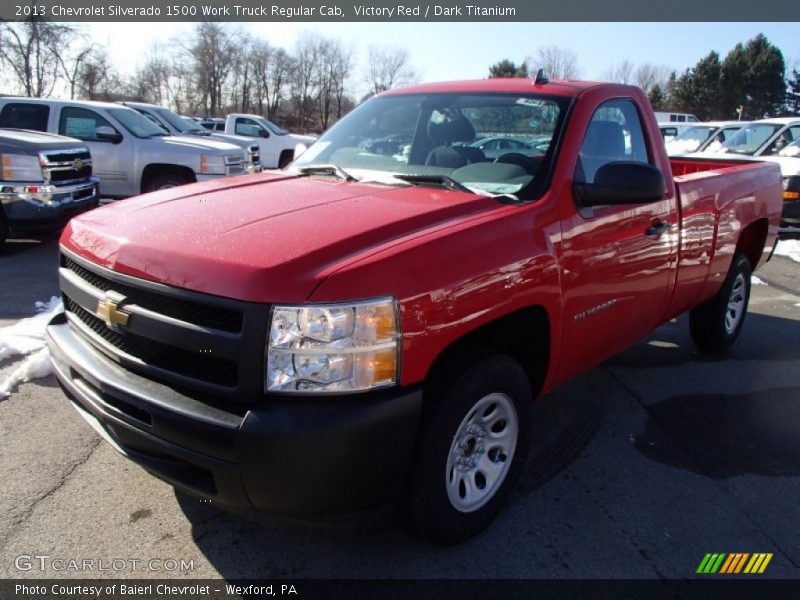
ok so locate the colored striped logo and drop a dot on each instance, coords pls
(737, 562)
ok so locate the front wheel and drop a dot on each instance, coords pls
(716, 324)
(471, 448)
(166, 181)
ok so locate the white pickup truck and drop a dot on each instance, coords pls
(175, 124)
(131, 154)
(277, 145)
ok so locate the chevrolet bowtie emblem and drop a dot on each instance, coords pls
(108, 310)
(78, 164)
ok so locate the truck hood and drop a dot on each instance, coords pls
(36, 141)
(201, 144)
(261, 238)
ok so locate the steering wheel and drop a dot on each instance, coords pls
(530, 165)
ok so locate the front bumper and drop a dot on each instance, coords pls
(32, 206)
(290, 456)
(790, 215)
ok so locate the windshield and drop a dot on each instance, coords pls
(137, 124)
(177, 122)
(488, 143)
(749, 139)
(697, 134)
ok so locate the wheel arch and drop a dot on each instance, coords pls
(752, 240)
(523, 334)
(155, 170)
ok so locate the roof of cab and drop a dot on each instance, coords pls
(557, 87)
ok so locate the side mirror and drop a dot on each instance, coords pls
(105, 133)
(622, 182)
(263, 133)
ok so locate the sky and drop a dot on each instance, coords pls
(446, 51)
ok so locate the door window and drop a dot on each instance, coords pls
(81, 123)
(614, 134)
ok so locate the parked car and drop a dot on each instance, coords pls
(131, 154)
(277, 145)
(668, 117)
(495, 146)
(359, 332)
(174, 124)
(789, 162)
(710, 135)
(45, 180)
(670, 131)
(766, 137)
(213, 124)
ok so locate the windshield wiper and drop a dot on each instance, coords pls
(331, 169)
(441, 180)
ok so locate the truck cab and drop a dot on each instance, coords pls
(278, 146)
(175, 124)
(132, 155)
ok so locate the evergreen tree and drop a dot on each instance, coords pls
(753, 78)
(657, 98)
(793, 92)
(507, 68)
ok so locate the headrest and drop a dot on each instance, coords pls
(449, 131)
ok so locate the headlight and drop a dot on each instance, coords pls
(17, 167)
(332, 348)
(212, 165)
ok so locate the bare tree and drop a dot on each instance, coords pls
(620, 73)
(212, 53)
(280, 68)
(97, 78)
(388, 67)
(557, 62)
(260, 57)
(333, 69)
(33, 52)
(647, 76)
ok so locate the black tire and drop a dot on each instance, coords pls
(3, 228)
(715, 325)
(163, 182)
(481, 377)
(285, 158)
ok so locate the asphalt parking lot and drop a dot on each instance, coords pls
(639, 468)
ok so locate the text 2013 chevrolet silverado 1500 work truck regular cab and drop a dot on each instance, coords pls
(45, 180)
(367, 329)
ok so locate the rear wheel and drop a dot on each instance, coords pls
(716, 324)
(471, 447)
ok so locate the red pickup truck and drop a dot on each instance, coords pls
(370, 327)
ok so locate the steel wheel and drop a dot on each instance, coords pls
(481, 452)
(736, 303)
(471, 445)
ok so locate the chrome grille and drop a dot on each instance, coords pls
(63, 166)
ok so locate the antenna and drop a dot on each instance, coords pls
(541, 77)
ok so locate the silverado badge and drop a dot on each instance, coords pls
(108, 310)
(78, 164)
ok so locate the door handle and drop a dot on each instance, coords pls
(657, 228)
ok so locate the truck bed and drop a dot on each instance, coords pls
(717, 200)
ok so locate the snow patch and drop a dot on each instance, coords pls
(789, 248)
(757, 281)
(26, 338)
